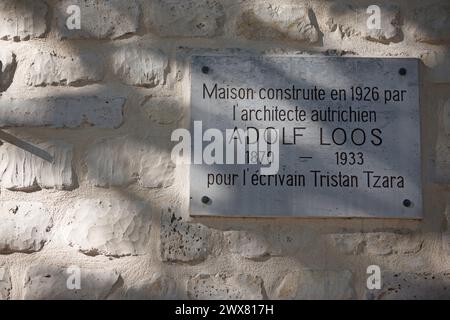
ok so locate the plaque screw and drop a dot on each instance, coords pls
(402, 71)
(407, 203)
(205, 70)
(206, 200)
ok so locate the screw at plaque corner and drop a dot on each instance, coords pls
(402, 71)
(407, 203)
(206, 200)
(205, 70)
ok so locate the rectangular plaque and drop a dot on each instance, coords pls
(349, 136)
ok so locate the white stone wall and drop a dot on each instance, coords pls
(103, 102)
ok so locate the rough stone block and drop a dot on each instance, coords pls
(140, 67)
(310, 284)
(22, 19)
(249, 245)
(278, 22)
(110, 227)
(163, 111)
(352, 21)
(46, 282)
(441, 172)
(222, 287)
(5, 283)
(376, 243)
(158, 287)
(431, 24)
(63, 112)
(189, 18)
(8, 65)
(183, 242)
(24, 227)
(60, 69)
(348, 243)
(21, 170)
(110, 19)
(385, 243)
(412, 286)
(126, 160)
(437, 65)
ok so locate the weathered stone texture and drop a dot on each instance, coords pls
(133, 56)
(183, 242)
(347, 243)
(437, 65)
(112, 227)
(24, 227)
(50, 68)
(99, 19)
(8, 65)
(189, 18)
(247, 244)
(446, 233)
(5, 283)
(447, 117)
(140, 67)
(163, 111)
(125, 160)
(441, 172)
(352, 21)
(376, 243)
(62, 112)
(278, 22)
(45, 282)
(158, 287)
(22, 19)
(222, 287)
(412, 286)
(310, 284)
(431, 24)
(23, 171)
(384, 243)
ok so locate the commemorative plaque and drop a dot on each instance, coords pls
(342, 137)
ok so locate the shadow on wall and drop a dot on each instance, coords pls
(154, 137)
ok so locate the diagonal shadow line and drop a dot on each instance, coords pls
(26, 146)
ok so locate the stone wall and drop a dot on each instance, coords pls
(103, 102)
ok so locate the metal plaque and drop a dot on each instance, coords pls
(348, 131)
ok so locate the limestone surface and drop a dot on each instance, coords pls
(278, 22)
(158, 287)
(412, 286)
(112, 227)
(21, 170)
(221, 287)
(310, 284)
(62, 112)
(50, 68)
(8, 65)
(125, 160)
(431, 24)
(163, 111)
(182, 241)
(248, 244)
(25, 227)
(351, 20)
(110, 19)
(189, 18)
(22, 19)
(142, 67)
(376, 243)
(47, 282)
(5, 283)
